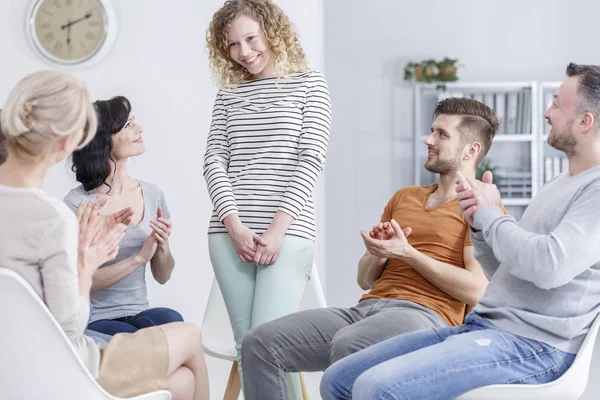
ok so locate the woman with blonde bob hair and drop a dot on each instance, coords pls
(266, 147)
(47, 116)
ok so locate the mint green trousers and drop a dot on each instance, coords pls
(257, 294)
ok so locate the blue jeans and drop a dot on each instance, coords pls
(99, 338)
(145, 319)
(443, 363)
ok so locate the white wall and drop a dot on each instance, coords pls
(367, 44)
(159, 63)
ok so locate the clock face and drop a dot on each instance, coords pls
(69, 31)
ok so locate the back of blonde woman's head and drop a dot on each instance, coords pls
(288, 55)
(46, 106)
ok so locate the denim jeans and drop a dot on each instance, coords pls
(443, 363)
(312, 340)
(99, 338)
(145, 319)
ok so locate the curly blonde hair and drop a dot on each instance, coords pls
(288, 55)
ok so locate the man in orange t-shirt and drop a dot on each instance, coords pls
(422, 276)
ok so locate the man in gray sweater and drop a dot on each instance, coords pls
(544, 272)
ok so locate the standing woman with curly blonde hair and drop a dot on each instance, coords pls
(266, 147)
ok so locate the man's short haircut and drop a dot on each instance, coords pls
(478, 121)
(589, 88)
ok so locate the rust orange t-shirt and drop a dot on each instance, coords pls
(440, 233)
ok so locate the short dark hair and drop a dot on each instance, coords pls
(478, 121)
(92, 163)
(589, 87)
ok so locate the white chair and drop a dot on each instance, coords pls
(217, 335)
(570, 386)
(37, 360)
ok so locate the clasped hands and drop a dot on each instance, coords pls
(388, 240)
(253, 248)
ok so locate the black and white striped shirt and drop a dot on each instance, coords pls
(266, 146)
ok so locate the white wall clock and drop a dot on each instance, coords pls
(71, 32)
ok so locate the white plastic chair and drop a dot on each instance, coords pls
(217, 335)
(570, 386)
(37, 360)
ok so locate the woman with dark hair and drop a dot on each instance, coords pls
(45, 117)
(119, 294)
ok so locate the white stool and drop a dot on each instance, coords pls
(217, 335)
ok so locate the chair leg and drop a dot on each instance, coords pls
(303, 386)
(234, 386)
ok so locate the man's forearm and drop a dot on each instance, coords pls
(457, 282)
(370, 268)
(484, 254)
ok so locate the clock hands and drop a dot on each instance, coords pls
(68, 24)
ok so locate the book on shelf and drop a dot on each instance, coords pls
(554, 166)
(511, 112)
(523, 112)
(519, 116)
(500, 109)
(548, 99)
(526, 125)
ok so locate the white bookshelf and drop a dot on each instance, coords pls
(517, 151)
(545, 94)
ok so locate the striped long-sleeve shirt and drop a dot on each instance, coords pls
(266, 146)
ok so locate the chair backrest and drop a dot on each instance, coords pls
(217, 335)
(37, 360)
(577, 375)
(570, 386)
(314, 297)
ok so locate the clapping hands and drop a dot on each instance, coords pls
(388, 240)
(474, 195)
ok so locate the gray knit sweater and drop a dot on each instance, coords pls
(545, 270)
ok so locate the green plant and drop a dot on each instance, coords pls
(423, 71)
(430, 70)
(447, 70)
(409, 70)
(447, 62)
